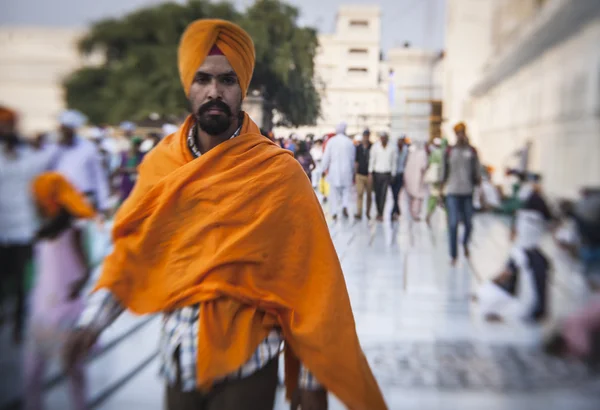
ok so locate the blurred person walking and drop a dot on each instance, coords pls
(338, 164)
(363, 185)
(316, 152)
(414, 184)
(210, 239)
(461, 176)
(62, 273)
(304, 158)
(398, 179)
(433, 176)
(19, 164)
(382, 168)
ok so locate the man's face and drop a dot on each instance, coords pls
(365, 138)
(215, 95)
(384, 140)
(461, 136)
(66, 133)
(400, 143)
(6, 129)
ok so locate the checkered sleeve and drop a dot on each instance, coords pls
(100, 311)
(307, 381)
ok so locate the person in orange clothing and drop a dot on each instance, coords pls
(62, 273)
(196, 241)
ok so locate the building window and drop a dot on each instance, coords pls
(359, 23)
(358, 51)
(357, 70)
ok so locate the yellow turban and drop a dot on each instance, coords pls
(52, 193)
(231, 39)
(460, 127)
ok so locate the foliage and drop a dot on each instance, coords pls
(139, 74)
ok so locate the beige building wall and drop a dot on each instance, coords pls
(417, 82)
(33, 64)
(541, 84)
(348, 75)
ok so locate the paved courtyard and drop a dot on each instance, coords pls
(416, 321)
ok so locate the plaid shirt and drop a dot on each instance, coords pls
(179, 334)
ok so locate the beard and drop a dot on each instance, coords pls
(214, 124)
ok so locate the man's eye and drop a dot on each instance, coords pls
(229, 80)
(202, 79)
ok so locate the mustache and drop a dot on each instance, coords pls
(218, 104)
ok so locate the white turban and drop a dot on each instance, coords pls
(127, 126)
(168, 129)
(341, 128)
(96, 133)
(72, 119)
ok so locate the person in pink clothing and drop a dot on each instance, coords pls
(414, 186)
(62, 274)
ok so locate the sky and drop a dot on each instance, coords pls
(420, 22)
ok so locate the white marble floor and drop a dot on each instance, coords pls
(417, 324)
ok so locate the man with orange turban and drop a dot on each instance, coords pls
(207, 238)
(461, 175)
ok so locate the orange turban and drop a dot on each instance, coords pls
(53, 192)
(460, 127)
(199, 38)
(7, 115)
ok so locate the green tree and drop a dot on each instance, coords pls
(139, 74)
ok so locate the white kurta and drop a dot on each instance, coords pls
(338, 161)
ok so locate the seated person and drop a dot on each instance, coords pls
(520, 291)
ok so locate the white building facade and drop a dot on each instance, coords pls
(33, 64)
(539, 82)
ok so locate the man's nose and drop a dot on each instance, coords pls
(213, 91)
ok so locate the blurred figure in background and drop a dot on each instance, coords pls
(303, 157)
(363, 185)
(152, 139)
(19, 164)
(62, 274)
(461, 176)
(130, 162)
(520, 292)
(78, 160)
(398, 179)
(414, 184)
(128, 129)
(433, 176)
(382, 168)
(338, 163)
(316, 152)
(39, 141)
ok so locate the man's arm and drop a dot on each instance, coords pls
(445, 166)
(372, 156)
(101, 310)
(394, 162)
(326, 158)
(476, 168)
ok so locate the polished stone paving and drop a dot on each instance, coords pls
(416, 321)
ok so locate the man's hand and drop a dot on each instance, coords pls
(370, 180)
(309, 400)
(78, 345)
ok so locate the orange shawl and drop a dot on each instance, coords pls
(240, 231)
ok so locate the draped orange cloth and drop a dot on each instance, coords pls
(231, 39)
(239, 231)
(52, 192)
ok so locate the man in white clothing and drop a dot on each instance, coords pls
(382, 167)
(79, 161)
(338, 165)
